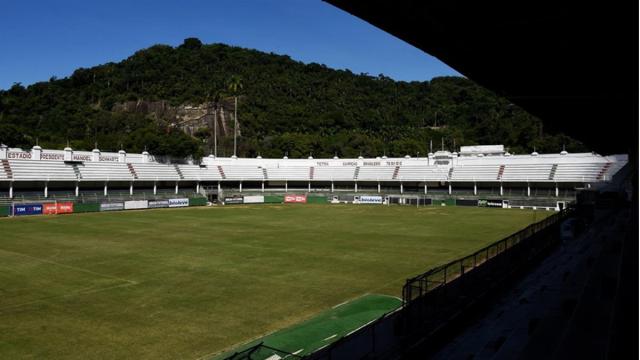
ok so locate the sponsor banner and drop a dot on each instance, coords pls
(257, 199)
(182, 202)
(366, 199)
(136, 204)
(49, 209)
(233, 200)
(466, 202)
(64, 207)
(57, 208)
(111, 206)
(490, 203)
(27, 209)
(295, 199)
(158, 204)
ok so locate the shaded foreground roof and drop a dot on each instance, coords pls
(574, 65)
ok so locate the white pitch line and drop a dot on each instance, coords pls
(351, 332)
(330, 337)
(298, 352)
(132, 282)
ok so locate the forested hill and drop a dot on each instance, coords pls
(284, 106)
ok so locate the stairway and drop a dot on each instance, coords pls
(7, 169)
(311, 171)
(357, 173)
(395, 172)
(552, 173)
(221, 172)
(76, 171)
(450, 173)
(132, 171)
(603, 171)
(264, 174)
(500, 172)
(175, 166)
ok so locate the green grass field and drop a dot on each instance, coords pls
(191, 283)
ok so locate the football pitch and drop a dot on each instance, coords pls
(193, 283)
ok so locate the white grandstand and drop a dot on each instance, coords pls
(474, 166)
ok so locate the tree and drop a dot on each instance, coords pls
(191, 44)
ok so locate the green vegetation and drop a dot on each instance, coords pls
(186, 283)
(283, 106)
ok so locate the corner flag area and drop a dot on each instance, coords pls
(313, 334)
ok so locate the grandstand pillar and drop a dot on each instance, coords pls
(378, 187)
(240, 186)
(11, 190)
(77, 189)
(177, 188)
(309, 186)
(425, 188)
(155, 188)
(331, 186)
(449, 188)
(131, 188)
(501, 191)
(528, 190)
(263, 186)
(475, 189)
(557, 191)
(286, 186)
(401, 188)
(198, 187)
(355, 186)
(46, 189)
(219, 188)
(105, 189)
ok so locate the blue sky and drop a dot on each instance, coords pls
(41, 39)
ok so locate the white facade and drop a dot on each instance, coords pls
(475, 164)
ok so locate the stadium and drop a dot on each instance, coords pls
(137, 241)
(255, 293)
(533, 180)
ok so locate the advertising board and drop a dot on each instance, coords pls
(256, 199)
(111, 206)
(233, 200)
(367, 199)
(181, 202)
(295, 198)
(136, 204)
(27, 209)
(153, 204)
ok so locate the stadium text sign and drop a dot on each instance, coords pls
(27, 209)
(182, 202)
(295, 199)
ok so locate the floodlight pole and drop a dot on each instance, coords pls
(235, 125)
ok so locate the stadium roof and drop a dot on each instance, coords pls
(574, 65)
